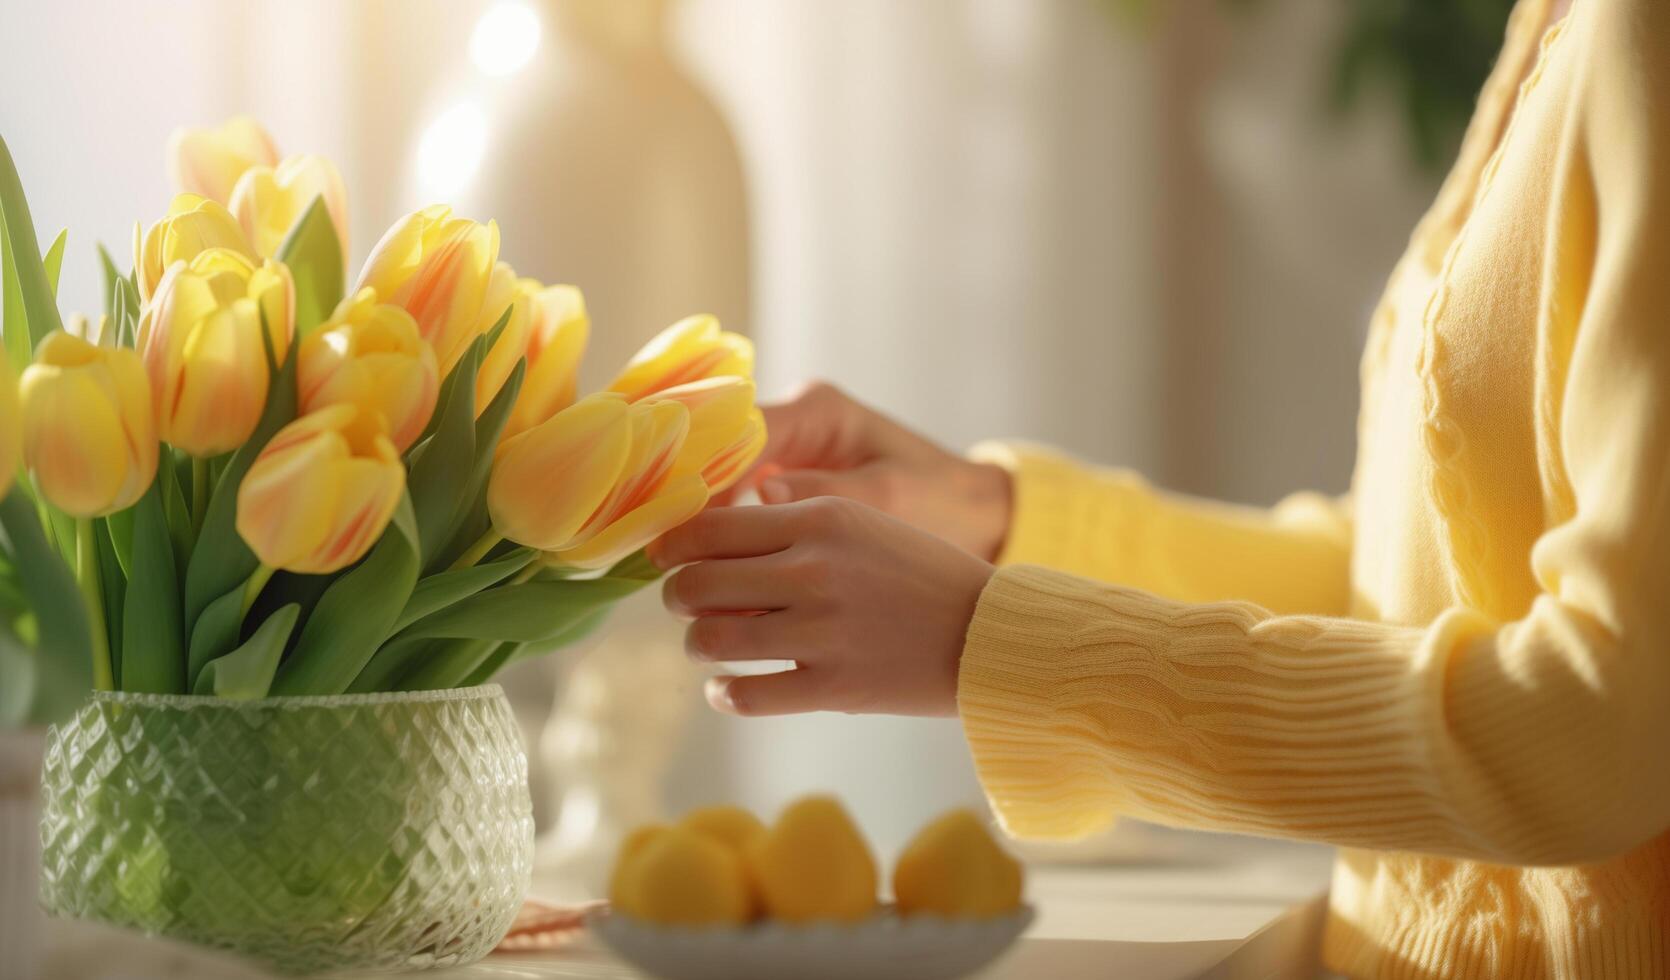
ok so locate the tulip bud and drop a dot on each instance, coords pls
(208, 162)
(11, 428)
(321, 492)
(690, 350)
(648, 499)
(719, 412)
(437, 268)
(201, 342)
(557, 333)
(549, 480)
(503, 293)
(268, 202)
(88, 437)
(369, 354)
(193, 225)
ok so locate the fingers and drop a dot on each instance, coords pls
(724, 532)
(785, 693)
(737, 639)
(783, 488)
(727, 586)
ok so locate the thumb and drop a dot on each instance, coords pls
(792, 485)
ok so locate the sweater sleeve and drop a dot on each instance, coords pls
(1538, 741)
(1110, 525)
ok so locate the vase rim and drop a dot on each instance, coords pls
(480, 692)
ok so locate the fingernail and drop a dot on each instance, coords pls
(652, 551)
(718, 693)
(774, 491)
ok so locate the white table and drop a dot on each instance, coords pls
(1217, 907)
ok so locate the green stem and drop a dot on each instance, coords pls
(87, 576)
(199, 495)
(477, 551)
(527, 574)
(257, 581)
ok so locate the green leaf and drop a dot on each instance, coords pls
(438, 591)
(495, 662)
(54, 261)
(356, 614)
(247, 672)
(63, 645)
(111, 276)
(34, 291)
(177, 513)
(220, 560)
(120, 526)
(531, 612)
(441, 465)
(19, 348)
(450, 665)
(216, 633)
(17, 679)
(153, 655)
(471, 521)
(113, 591)
(313, 252)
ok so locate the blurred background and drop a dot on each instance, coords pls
(1138, 232)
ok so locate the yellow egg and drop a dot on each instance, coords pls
(813, 865)
(954, 869)
(678, 877)
(620, 881)
(730, 825)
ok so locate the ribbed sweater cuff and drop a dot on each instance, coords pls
(1082, 702)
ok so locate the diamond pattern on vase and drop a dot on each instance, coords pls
(313, 834)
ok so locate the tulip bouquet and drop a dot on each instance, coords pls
(248, 478)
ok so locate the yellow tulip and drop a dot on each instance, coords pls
(201, 342)
(268, 201)
(193, 224)
(728, 465)
(88, 436)
(557, 334)
(503, 292)
(369, 354)
(719, 413)
(11, 429)
(210, 161)
(321, 492)
(648, 499)
(437, 268)
(549, 480)
(690, 350)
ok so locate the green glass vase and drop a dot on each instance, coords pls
(311, 834)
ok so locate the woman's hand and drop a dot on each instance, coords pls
(872, 610)
(823, 443)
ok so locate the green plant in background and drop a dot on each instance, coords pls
(1430, 56)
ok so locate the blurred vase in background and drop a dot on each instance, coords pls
(617, 174)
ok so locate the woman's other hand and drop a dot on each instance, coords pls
(872, 610)
(823, 443)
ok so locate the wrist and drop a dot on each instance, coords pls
(991, 495)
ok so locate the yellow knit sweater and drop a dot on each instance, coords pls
(1462, 677)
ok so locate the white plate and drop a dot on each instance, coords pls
(883, 947)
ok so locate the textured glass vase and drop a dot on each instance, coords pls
(313, 834)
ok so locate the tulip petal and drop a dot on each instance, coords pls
(690, 350)
(210, 161)
(512, 344)
(681, 499)
(719, 412)
(730, 463)
(658, 432)
(548, 481)
(556, 344)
